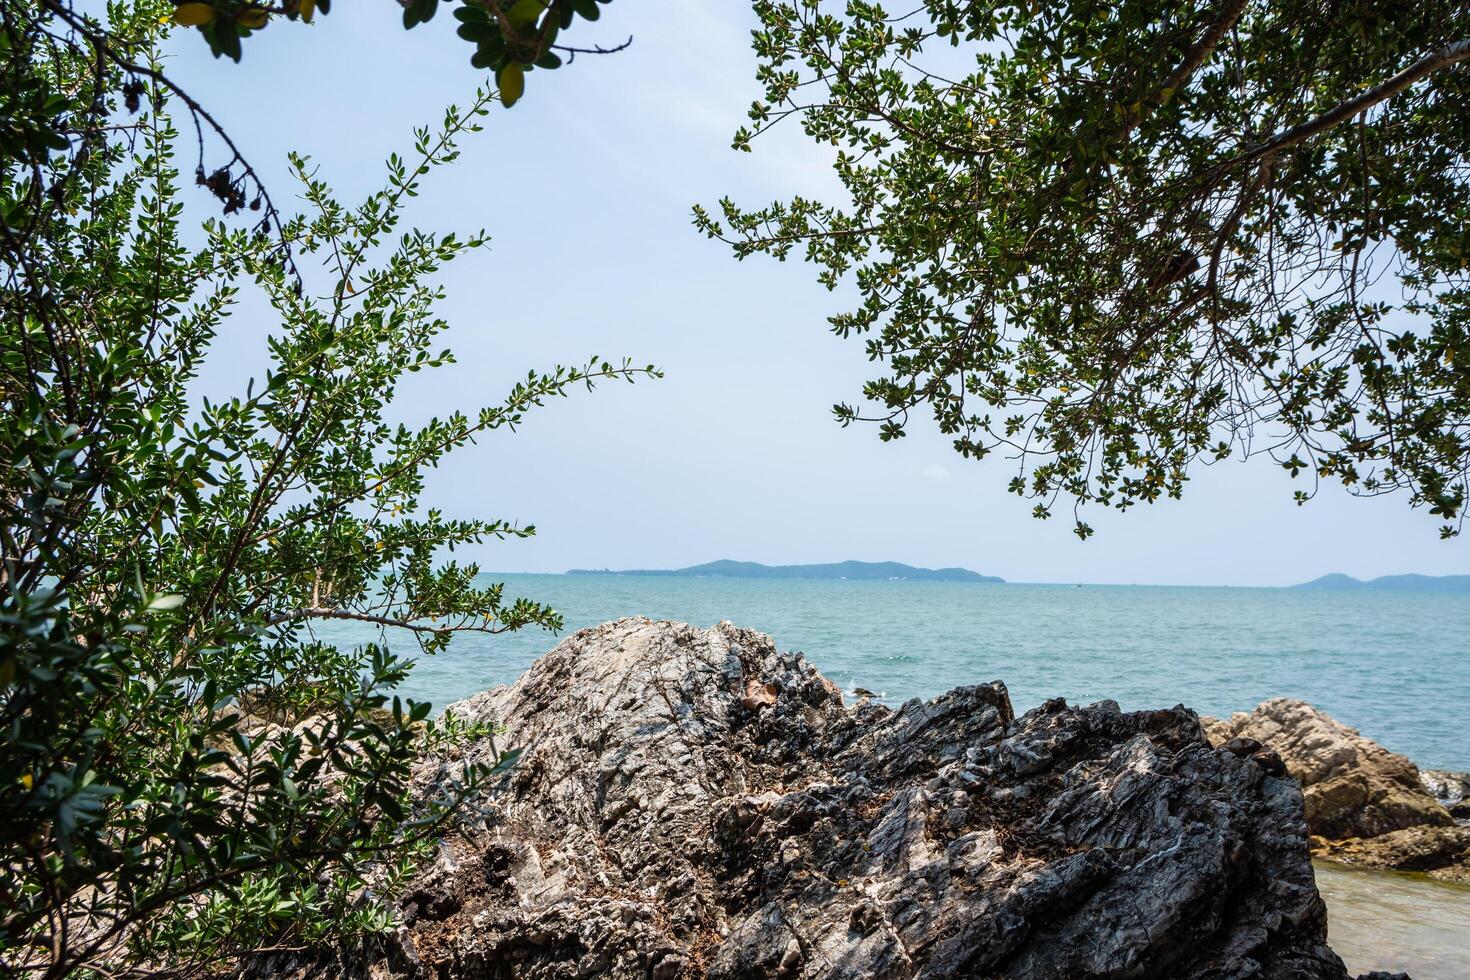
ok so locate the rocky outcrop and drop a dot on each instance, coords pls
(1364, 804)
(1441, 852)
(694, 803)
(1451, 789)
(1353, 786)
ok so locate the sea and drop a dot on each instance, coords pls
(1396, 666)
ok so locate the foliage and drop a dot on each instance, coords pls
(510, 37)
(1114, 240)
(164, 557)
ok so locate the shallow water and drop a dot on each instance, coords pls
(1396, 666)
(1381, 920)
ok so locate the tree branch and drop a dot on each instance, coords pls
(595, 49)
(330, 612)
(1445, 57)
(104, 49)
(1192, 60)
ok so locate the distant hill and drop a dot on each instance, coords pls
(1391, 583)
(857, 570)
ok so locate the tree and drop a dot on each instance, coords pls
(1115, 241)
(188, 771)
(511, 37)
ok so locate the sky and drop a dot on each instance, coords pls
(585, 188)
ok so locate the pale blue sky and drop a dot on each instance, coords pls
(585, 188)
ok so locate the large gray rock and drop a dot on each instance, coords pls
(1354, 787)
(692, 802)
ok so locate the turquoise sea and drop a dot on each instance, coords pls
(1394, 665)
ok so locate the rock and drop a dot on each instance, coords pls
(1365, 805)
(758, 695)
(1441, 852)
(1353, 786)
(658, 826)
(1451, 789)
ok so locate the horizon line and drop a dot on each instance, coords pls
(1004, 581)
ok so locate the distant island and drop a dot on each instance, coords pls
(1391, 583)
(867, 571)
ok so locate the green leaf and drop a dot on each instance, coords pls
(511, 80)
(524, 13)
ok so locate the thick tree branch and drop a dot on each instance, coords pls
(1195, 57)
(1232, 223)
(1445, 57)
(331, 612)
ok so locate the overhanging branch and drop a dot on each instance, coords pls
(331, 612)
(1195, 57)
(1445, 57)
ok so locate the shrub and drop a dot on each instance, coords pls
(166, 555)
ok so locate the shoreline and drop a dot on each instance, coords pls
(1388, 664)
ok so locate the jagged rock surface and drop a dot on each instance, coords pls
(1451, 789)
(663, 822)
(1440, 852)
(1365, 805)
(1353, 786)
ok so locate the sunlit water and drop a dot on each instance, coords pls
(1397, 922)
(1396, 666)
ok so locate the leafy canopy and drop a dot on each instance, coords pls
(511, 37)
(188, 771)
(1115, 240)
